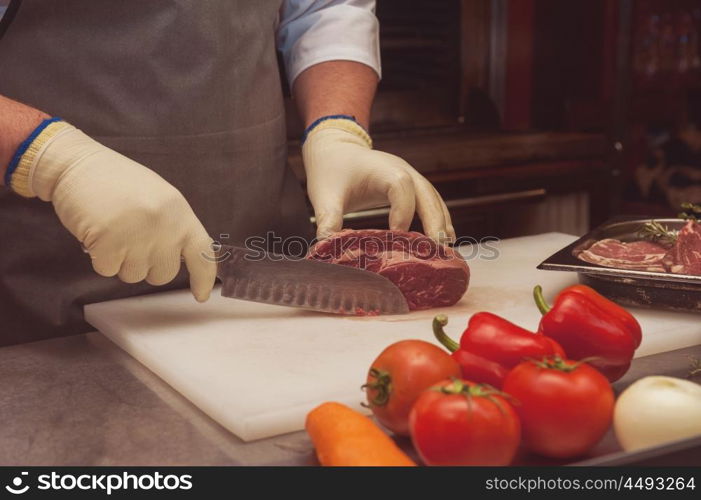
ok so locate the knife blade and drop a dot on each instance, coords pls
(271, 278)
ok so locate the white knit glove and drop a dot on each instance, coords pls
(345, 174)
(131, 221)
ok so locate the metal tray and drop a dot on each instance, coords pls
(678, 292)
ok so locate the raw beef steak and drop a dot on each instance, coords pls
(637, 255)
(428, 274)
(685, 255)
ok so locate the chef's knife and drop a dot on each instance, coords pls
(276, 279)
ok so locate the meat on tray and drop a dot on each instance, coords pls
(685, 255)
(428, 274)
(682, 257)
(636, 255)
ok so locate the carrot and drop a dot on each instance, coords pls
(344, 437)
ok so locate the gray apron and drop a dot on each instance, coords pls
(189, 88)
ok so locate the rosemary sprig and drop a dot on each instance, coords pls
(691, 212)
(656, 231)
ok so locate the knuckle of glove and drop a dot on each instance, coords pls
(133, 272)
(157, 209)
(395, 177)
(164, 271)
(106, 266)
(402, 177)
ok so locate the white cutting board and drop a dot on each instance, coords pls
(258, 369)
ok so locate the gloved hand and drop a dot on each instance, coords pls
(131, 221)
(345, 174)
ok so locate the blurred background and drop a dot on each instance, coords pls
(539, 115)
(542, 115)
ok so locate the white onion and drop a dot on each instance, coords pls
(655, 410)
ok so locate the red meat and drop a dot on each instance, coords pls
(685, 255)
(428, 274)
(637, 255)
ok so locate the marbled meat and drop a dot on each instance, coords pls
(428, 274)
(685, 255)
(636, 255)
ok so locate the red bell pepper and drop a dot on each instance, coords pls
(590, 327)
(490, 346)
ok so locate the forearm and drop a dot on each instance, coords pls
(336, 87)
(17, 121)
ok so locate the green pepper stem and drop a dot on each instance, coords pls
(382, 385)
(543, 306)
(438, 323)
(471, 390)
(557, 363)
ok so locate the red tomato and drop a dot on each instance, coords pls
(565, 406)
(463, 423)
(399, 374)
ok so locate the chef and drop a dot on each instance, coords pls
(134, 133)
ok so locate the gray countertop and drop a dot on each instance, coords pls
(82, 401)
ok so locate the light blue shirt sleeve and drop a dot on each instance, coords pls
(313, 31)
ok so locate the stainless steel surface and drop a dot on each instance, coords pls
(476, 201)
(280, 280)
(624, 229)
(629, 287)
(82, 401)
